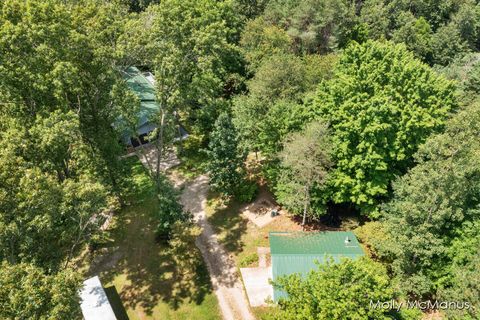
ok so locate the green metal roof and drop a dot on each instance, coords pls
(137, 82)
(148, 110)
(308, 243)
(145, 91)
(299, 252)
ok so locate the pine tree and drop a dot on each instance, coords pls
(226, 159)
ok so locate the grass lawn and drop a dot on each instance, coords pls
(240, 236)
(139, 271)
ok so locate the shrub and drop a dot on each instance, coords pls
(249, 260)
(246, 191)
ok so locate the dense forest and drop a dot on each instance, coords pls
(366, 107)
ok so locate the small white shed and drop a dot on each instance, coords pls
(94, 301)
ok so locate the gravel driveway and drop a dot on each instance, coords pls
(223, 273)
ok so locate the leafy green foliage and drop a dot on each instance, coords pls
(226, 166)
(169, 209)
(437, 33)
(187, 44)
(60, 92)
(336, 291)
(381, 105)
(249, 260)
(463, 284)
(274, 107)
(55, 58)
(434, 214)
(261, 40)
(415, 34)
(250, 8)
(279, 77)
(306, 159)
(47, 207)
(26, 292)
(313, 25)
(374, 236)
(246, 191)
(466, 72)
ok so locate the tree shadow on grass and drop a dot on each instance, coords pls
(229, 220)
(142, 269)
(146, 273)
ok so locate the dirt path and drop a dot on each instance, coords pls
(223, 273)
(148, 157)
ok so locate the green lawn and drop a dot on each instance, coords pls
(140, 271)
(240, 236)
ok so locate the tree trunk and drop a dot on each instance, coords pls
(159, 146)
(304, 215)
(82, 229)
(305, 207)
(144, 154)
(180, 142)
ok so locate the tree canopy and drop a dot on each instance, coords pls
(382, 104)
(306, 160)
(433, 217)
(336, 291)
(26, 292)
(368, 105)
(226, 166)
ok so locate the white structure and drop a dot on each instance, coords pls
(95, 304)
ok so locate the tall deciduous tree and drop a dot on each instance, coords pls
(306, 159)
(433, 218)
(274, 106)
(60, 94)
(169, 209)
(55, 57)
(45, 213)
(26, 292)
(336, 291)
(381, 104)
(261, 40)
(188, 45)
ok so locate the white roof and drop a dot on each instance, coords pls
(95, 304)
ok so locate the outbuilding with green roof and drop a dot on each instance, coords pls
(299, 252)
(142, 84)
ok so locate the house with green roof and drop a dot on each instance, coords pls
(299, 252)
(142, 84)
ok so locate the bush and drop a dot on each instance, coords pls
(169, 210)
(249, 260)
(408, 314)
(246, 191)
